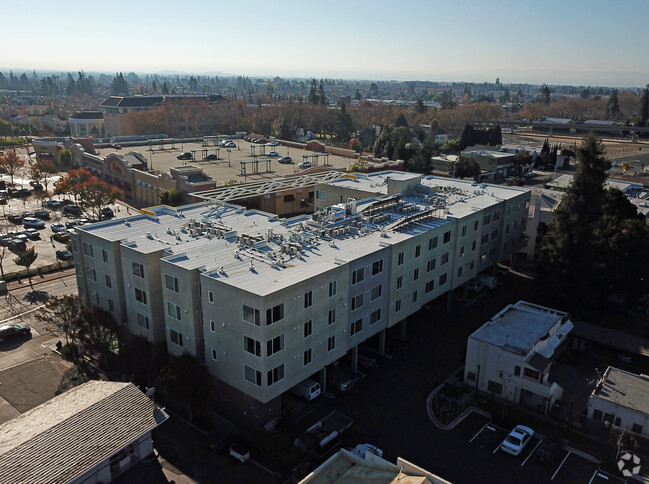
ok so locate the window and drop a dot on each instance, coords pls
(375, 292)
(251, 315)
(375, 316)
(414, 296)
(442, 279)
(496, 216)
(275, 345)
(357, 301)
(431, 265)
(517, 371)
(415, 275)
(87, 249)
(494, 387)
(357, 326)
(608, 417)
(459, 271)
(93, 297)
(487, 219)
(636, 428)
(275, 375)
(176, 337)
(212, 326)
(597, 415)
(308, 328)
(494, 234)
(473, 245)
(143, 321)
(332, 288)
(138, 269)
(377, 267)
(432, 243)
(308, 299)
(464, 231)
(104, 256)
(358, 275)
(171, 283)
(252, 346)
(417, 251)
(320, 195)
(470, 375)
(447, 237)
(331, 342)
(173, 310)
(252, 375)
(531, 374)
(399, 282)
(462, 251)
(111, 305)
(444, 259)
(210, 297)
(213, 354)
(332, 316)
(400, 258)
(274, 314)
(397, 305)
(91, 273)
(140, 295)
(430, 285)
(475, 226)
(308, 354)
(108, 281)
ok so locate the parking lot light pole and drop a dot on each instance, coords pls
(228, 150)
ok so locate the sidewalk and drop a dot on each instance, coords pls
(37, 279)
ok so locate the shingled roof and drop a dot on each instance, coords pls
(71, 433)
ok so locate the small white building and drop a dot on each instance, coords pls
(511, 355)
(89, 434)
(621, 398)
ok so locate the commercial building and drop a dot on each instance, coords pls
(92, 433)
(87, 123)
(622, 399)
(267, 302)
(512, 354)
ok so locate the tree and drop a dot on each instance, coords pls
(119, 86)
(420, 107)
(594, 241)
(643, 118)
(65, 158)
(521, 159)
(42, 172)
(25, 259)
(313, 93)
(91, 193)
(401, 121)
(188, 380)
(171, 197)
(344, 127)
(61, 314)
(98, 332)
(322, 97)
(10, 163)
(464, 167)
(545, 95)
(612, 105)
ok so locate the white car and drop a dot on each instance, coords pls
(304, 164)
(517, 440)
(33, 223)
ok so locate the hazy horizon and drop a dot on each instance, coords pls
(580, 43)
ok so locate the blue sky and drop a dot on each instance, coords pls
(593, 42)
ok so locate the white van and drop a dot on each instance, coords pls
(487, 280)
(307, 390)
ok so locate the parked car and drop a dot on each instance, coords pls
(304, 164)
(474, 286)
(42, 214)
(184, 156)
(307, 390)
(517, 439)
(9, 331)
(367, 361)
(230, 144)
(107, 213)
(285, 160)
(272, 143)
(62, 236)
(341, 381)
(72, 210)
(64, 254)
(3, 200)
(32, 234)
(53, 203)
(14, 218)
(17, 245)
(272, 153)
(57, 227)
(239, 452)
(33, 223)
(549, 451)
(361, 449)
(210, 156)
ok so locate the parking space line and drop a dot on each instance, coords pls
(480, 431)
(499, 445)
(530, 454)
(560, 466)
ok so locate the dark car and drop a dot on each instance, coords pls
(184, 156)
(285, 160)
(341, 381)
(15, 218)
(42, 214)
(64, 254)
(107, 213)
(8, 331)
(32, 234)
(53, 203)
(74, 210)
(211, 156)
(62, 236)
(17, 245)
(3, 201)
(549, 451)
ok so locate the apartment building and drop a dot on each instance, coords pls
(267, 302)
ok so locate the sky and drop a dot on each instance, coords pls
(578, 42)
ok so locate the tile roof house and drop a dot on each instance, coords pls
(92, 433)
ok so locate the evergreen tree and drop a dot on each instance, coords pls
(545, 95)
(644, 108)
(313, 93)
(322, 98)
(613, 105)
(119, 87)
(401, 121)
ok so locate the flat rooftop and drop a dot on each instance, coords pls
(519, 327)
(625, 389)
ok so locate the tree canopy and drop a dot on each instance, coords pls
(595, 241)
(91, 193)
